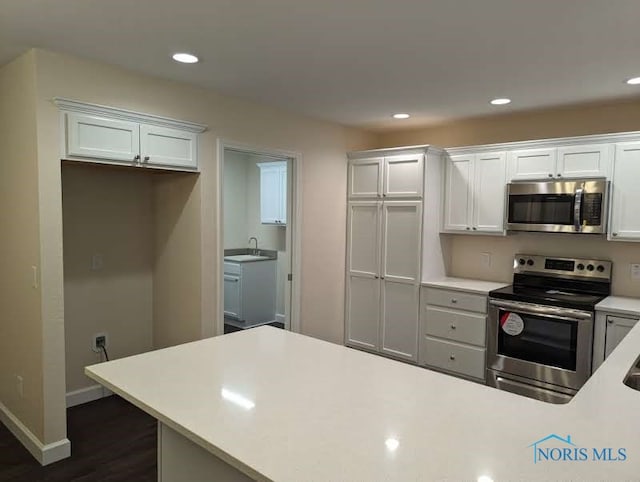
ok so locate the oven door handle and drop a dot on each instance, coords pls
(577, 209)
(549, 311)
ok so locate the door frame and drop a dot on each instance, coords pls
(294, 226)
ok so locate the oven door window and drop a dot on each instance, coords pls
(541, 209)
(538, 339)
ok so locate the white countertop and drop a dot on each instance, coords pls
(462, 284)
(620, 305)
(323, 412)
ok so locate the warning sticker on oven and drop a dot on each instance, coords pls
(512, 323)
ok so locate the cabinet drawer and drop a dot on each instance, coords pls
(446, 355)
(232, 268)
(457, 299)
(455, 325)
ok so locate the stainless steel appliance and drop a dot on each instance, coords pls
(576, 206)
(541, 327)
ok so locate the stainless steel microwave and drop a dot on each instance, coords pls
(576, 206)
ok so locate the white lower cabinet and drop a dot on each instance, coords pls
(617, 329)
(250, 291)
(453, 327)
(400, 320)
(612, 326)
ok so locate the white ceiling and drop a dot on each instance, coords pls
(355, 61)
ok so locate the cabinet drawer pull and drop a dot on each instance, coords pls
(453, 327)
(452, 357)
(454, 300)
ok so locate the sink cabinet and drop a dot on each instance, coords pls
(250, 291)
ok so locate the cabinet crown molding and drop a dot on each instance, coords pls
(616, 137)
(394, 151)
(69, 105)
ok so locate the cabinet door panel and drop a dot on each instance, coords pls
(232, 297)
(625, 222)
(365, 178)
(617, 329)
(363, 312)
(363, 243)
(403, 176)
(100, 138)
(458, 187)
(270, 193)
(168, 147)
(401, 235)
(489, 192)
(532, 164)
(585, 161)
(400, 320)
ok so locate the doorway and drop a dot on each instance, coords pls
(258, 239)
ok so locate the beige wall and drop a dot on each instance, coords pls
(597, 118)
(21, 330)
(109, 212)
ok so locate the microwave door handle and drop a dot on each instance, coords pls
(577, 210)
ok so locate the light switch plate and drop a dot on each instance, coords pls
(97, 262)
(635, 271)
(485, 259)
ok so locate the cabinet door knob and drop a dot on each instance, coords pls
(452, 357)
(137, 157)
(610, 321)
(454, 300)
(468, 228)
(453, 327)
(377, 277)
(381, 277)
(559, 175)
(146, 158)
(474, 228)
(614, 234)
(550, 175)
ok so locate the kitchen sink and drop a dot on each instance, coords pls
(633, 377)
(245, 257)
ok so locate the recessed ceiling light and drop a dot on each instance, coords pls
(500, 101)
(401, 116)
(633, 81)
(185, 58)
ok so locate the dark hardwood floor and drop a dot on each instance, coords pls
(111, 440)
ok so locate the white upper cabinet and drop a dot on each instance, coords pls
(526, 164)
(458, 203)
(576, 161)
(624, 217)
(475, 193)
(403, 176)
(585, 161)
(101, 138)
(107, 135)
(273, 192)
(489, 193)
(399, 176)
(162, 146)
(365, 178)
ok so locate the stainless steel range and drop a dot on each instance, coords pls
(541, 328)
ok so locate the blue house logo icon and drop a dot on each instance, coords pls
(546, 453)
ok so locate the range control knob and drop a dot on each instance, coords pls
(580, 267)
(600, 268)
(521, 261)
(590, 267)
(530, 262)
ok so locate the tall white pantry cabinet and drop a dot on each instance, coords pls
(386, 190)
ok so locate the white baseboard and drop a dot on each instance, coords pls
(45, 454)
(280, 318)
(86, 395)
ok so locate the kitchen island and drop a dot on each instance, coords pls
(267, 404)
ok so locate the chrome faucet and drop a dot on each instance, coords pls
(255, 251)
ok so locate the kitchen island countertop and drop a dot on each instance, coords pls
(281, 406)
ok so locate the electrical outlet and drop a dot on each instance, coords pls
(97, 262)
(635, 271)
(98, 341)
(485, 259)
(20, 386)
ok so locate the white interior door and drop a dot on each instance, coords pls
(95, 137)
(365, 178)
(363, 274)
(489, 192)
(458, 202)
(162, 146)
(403, 176)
